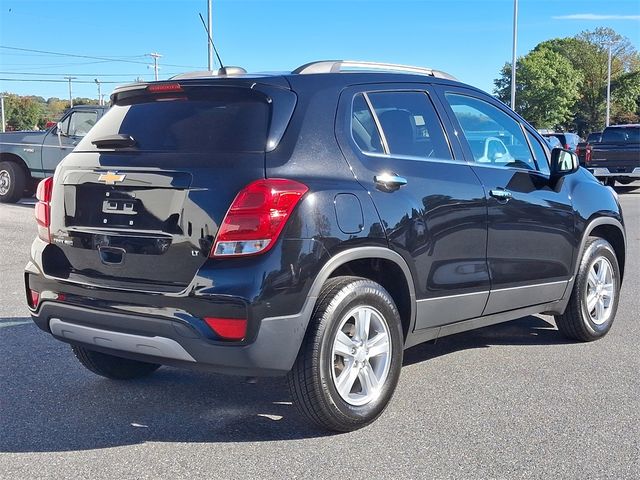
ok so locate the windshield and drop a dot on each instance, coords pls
(199, 120)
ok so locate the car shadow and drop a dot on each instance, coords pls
(50, 403)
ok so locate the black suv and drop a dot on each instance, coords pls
(314, 224)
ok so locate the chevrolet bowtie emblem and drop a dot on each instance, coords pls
(111, 178)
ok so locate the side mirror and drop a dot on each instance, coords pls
(563, 162)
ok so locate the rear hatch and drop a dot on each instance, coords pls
(138, 203)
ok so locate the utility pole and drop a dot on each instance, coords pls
(155, 57)
(209, 36)
(70, 96)
(609, 85)
(513, 56)
(2, 110)
(99, 91)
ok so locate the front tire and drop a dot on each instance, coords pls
(110, 366)
(349, 363)
(12, 182)
(594, 299)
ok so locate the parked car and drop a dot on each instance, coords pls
(568, 141)
(28, 157)
(553, 142)
(314, 224)
(616, 157)
(584, 148)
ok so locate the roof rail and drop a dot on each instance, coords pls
(337, 66)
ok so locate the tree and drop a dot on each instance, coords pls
(588, 53)
(21, 113)
(547, 88)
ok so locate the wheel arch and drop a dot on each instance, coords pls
(379, 264)
(17, 159)
(611, 230)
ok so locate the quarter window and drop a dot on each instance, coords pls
(539, 153)
(495, 139)
(363, 127)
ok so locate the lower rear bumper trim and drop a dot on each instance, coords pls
(156, 346)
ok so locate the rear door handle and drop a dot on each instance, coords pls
(500, 194)
(389, 181)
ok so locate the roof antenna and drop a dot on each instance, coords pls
(222, 70)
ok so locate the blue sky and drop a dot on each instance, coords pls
(469, 38)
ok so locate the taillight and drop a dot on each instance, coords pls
(257, 216)
(43, 208)
(567, 147)
(587, 154)
(228, 328)
(34, 298)
(164, 87)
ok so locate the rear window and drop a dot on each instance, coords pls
(199, 120)
(621, 135)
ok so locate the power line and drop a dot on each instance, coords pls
(109, 59)
(51, 80)
(82, 74)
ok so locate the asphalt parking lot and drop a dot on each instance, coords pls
(510, 401)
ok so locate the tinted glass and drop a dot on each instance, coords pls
(410, 124)
(594, 137)
(539, 153)
(206, 120)
(363, 127)
(494, 137)
(621, 135)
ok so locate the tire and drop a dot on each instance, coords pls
(343, 305)
(584, 320)
(13, 182)
(110, 366)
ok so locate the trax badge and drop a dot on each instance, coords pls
(111, 178)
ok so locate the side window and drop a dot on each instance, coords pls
(363, 127)
(494, 137)
(539, 153)
(410, 124)
(81, 123)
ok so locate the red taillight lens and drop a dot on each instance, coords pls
(34, 298)
(228, 328)
(43, 208)
(587, 154)
(164, 88)
(257, 216)
(567, 147)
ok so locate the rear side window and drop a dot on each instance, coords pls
(495, 138)
(621, 135)
(200, 120)
(410, 125)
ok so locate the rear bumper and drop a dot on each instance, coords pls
(605, 172)
(170, 342)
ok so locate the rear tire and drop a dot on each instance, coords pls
(350, 360)
(594, 299)
(110, 366)
(12, 182)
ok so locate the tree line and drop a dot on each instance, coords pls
(33, 113)
(561, 84)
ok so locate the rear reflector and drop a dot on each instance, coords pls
(164, 88)
(228, 328)
(257, 216)
(34, 298)
(43, 208)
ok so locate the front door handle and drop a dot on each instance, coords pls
(389, 181)
(500, 194)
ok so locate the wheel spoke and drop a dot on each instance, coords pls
(603, 270)
(343, 345)
(368, 380)
(591, 301)
(378, 345)
(344, 383)
(607, 290)
(363, 320)
(592, 278)
(600, 309)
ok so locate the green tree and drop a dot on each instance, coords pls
(547, 88)
(21, 113)
(588, 53)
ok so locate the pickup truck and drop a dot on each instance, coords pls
(27, 157)
(616, 157)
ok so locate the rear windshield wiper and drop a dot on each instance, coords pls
(119, 140)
